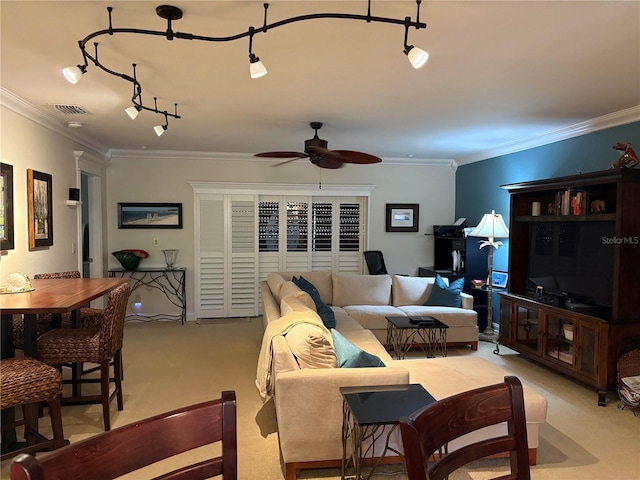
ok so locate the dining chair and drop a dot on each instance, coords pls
(44, 322)
(101, 345)
(25, 382)
(427, 432)
(140, 444)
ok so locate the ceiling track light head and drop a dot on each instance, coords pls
(417, 56)
(74, 74)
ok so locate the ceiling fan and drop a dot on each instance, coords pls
(315, 149)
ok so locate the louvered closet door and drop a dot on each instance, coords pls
(242, 267)
(227, 252)
(297, 240)
(349, 244)
(210, 263)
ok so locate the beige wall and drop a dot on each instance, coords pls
(27, 144)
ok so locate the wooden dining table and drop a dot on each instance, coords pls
(55, 296)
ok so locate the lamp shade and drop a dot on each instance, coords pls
(491, 226)
(417, 56)
(159, 129)
(132, 111)
(73, 74)
(256, 67)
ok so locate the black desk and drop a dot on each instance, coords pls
(169, 281)
(366, 412)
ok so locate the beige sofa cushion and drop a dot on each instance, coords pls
(361, 290)
(290, 289)
(298, 302)
(452, 316)
(373, 317)
(311, 346)
(411, 290)
(275, 281)
(322, 280)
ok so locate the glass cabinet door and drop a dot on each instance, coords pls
(527, 327)
(559, 343)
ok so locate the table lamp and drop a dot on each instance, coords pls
(491, 226)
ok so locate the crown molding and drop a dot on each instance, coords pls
(277, 188)
(610, 120)
(29, 111)
(232, 157)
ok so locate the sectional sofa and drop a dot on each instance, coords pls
(298, 364)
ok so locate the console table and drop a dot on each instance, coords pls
(169, 281)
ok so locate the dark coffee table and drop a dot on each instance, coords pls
(371, 413)
(428, 333)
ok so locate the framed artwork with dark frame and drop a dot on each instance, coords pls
(402, 217)
(149, 215)
(6, 207)
(39, 209)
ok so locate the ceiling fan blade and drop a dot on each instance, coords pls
(281, 155)
(287, 161)
(350, 156)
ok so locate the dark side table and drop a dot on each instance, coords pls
(428, 333)
(372, 413)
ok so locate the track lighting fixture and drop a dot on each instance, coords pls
(256, 67)
(133, 111)
(417, 56)
(160, 129)
(74, 74)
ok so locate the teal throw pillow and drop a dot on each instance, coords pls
(326, 314)
(350, 356)
(446, 295)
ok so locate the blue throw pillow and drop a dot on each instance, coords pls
(350, 356)
(326, 314)
(446, 296)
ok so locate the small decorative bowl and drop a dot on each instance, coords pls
(478, 283)
(128, 260)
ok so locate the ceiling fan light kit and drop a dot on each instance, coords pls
(73, 74)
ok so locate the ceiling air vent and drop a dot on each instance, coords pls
(70, 109)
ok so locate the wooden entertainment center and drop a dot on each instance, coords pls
(577, 335)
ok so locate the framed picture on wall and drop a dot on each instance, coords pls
(39, 209)
(402, 217)
(6, 207)
(149, 215)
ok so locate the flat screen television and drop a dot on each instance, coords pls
(574, 259)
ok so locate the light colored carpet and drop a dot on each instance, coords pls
(168, 365)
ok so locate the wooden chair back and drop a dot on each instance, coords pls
(427, 432)
(112, 327)
(129, 448)
(49, 275)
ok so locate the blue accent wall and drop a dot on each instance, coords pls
(478, 184)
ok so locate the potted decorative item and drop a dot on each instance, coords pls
(130, 258)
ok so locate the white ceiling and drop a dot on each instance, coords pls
(499, 72)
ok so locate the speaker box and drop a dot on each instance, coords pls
(74, 194)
